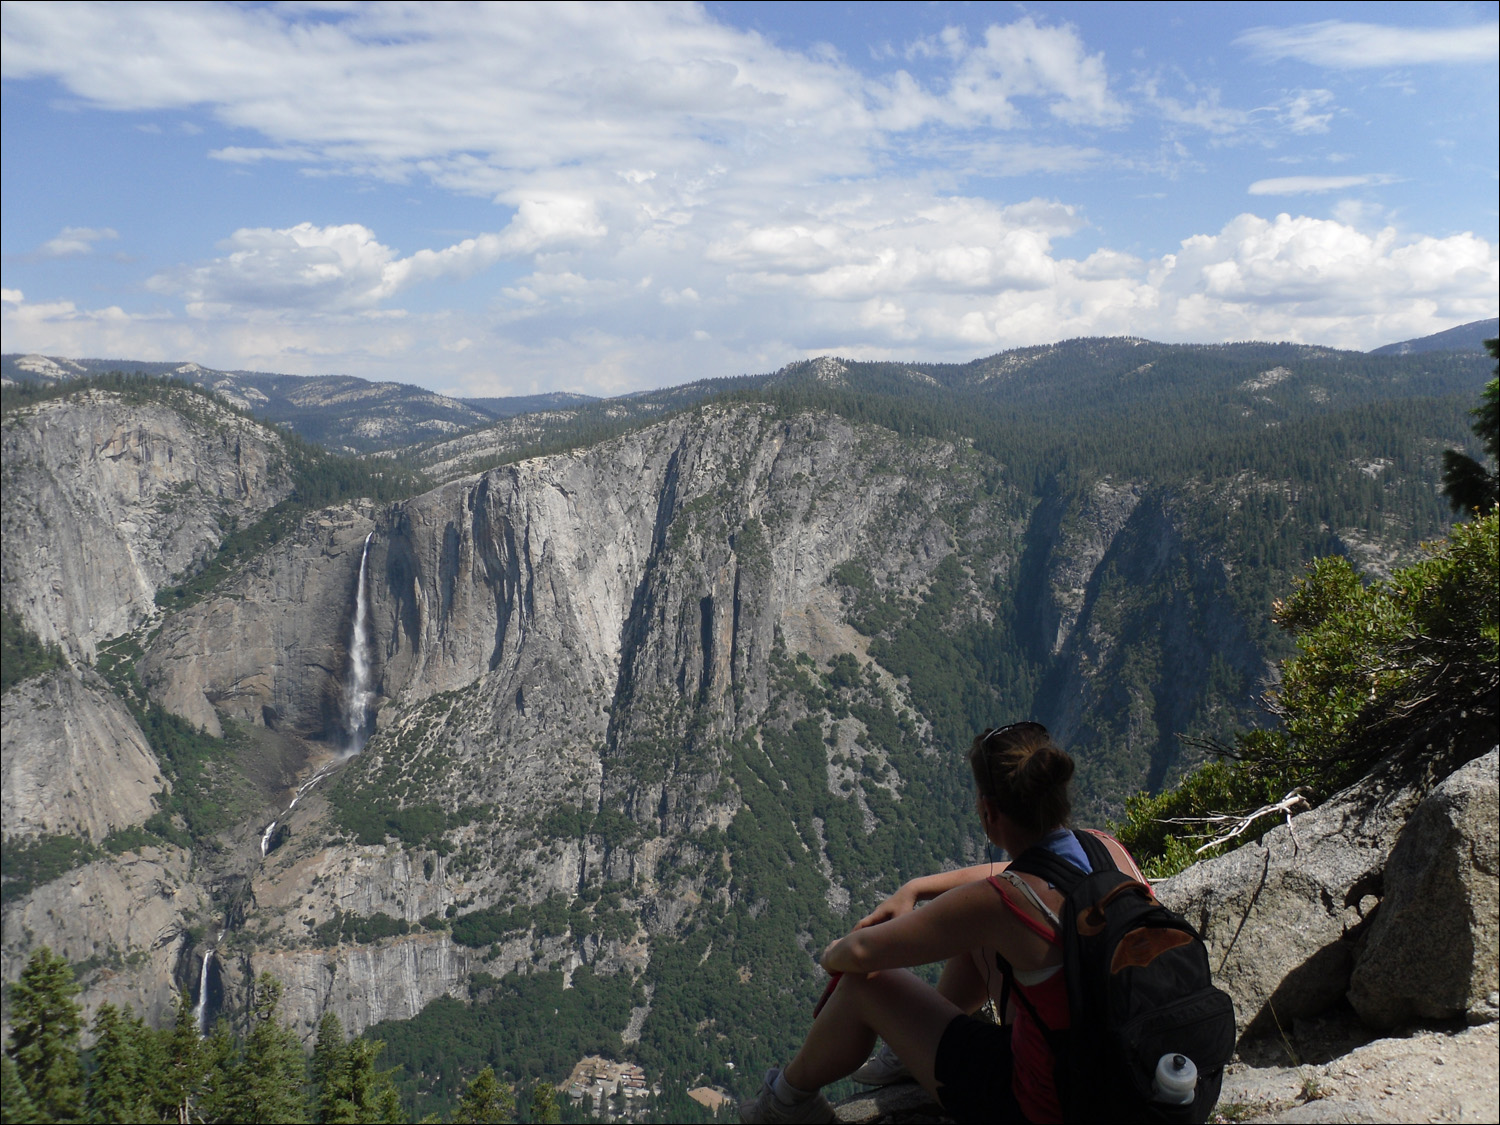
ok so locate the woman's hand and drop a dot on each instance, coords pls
(827, 952)
(904, 901)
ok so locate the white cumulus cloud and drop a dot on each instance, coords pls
(1026, 59)
(1318, 279)
(345, 268)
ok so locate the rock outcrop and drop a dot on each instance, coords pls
(1280, 915)
(1432, 951)
(128, 915)
(75, 763)
(107, 499)
(1342, 894)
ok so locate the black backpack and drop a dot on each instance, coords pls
(1139, 988)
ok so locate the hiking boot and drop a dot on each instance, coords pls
(883, 1068)
(767, 1109)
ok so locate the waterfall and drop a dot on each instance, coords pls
(268, 837)
(357, 697)
(357, 694)
(200, 1009)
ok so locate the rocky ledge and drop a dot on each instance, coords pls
(1433, 1075)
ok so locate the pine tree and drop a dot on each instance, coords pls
(15, 1102)
(45, 1022)
(487, 1101)
(387, 1104)
(181, 1067)
(347, 1089)
(1467, 484)
(223, 1075)
(274, 1068)
(330, 1060)
(117, 1087)
(544, 1108)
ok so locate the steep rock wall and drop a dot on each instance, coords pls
(106, 500)
(75, 763)
(545, 635)
(272, 650)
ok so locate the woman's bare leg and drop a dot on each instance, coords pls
(963, 981)
(909, 1014)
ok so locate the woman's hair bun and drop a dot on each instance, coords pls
(1025, 773)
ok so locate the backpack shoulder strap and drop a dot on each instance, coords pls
(1049, 866)
(1015, 880)
(1100, 857)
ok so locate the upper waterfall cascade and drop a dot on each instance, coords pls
(357, 693)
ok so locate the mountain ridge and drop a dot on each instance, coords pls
(334, 410)
(1464, 337)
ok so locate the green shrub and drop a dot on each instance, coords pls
(1375, 663)
(359, 928)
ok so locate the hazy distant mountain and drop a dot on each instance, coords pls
(339, 412)
(509, 407)
(1465, 338)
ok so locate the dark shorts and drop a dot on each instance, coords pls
(973, 1071)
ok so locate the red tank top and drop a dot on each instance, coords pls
(1034, 1079)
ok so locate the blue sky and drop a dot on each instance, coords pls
(503, 199)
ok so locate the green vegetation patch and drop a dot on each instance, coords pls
(131, 839)
(530, 1027)
(362, 928)
(207, 788)
(588, 914)
(22, 653)
(26, 864)
(416, 826)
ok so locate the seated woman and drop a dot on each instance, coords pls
(977, 1070)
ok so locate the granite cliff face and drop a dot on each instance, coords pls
(537, 629)
(107, 500)
(272, 649)
(107, 497)
(127, 918)
(75, 763)
(589, 632)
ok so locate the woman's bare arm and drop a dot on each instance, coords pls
(961, 919)
(925, 888)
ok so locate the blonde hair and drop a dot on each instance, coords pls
(1025, 774)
